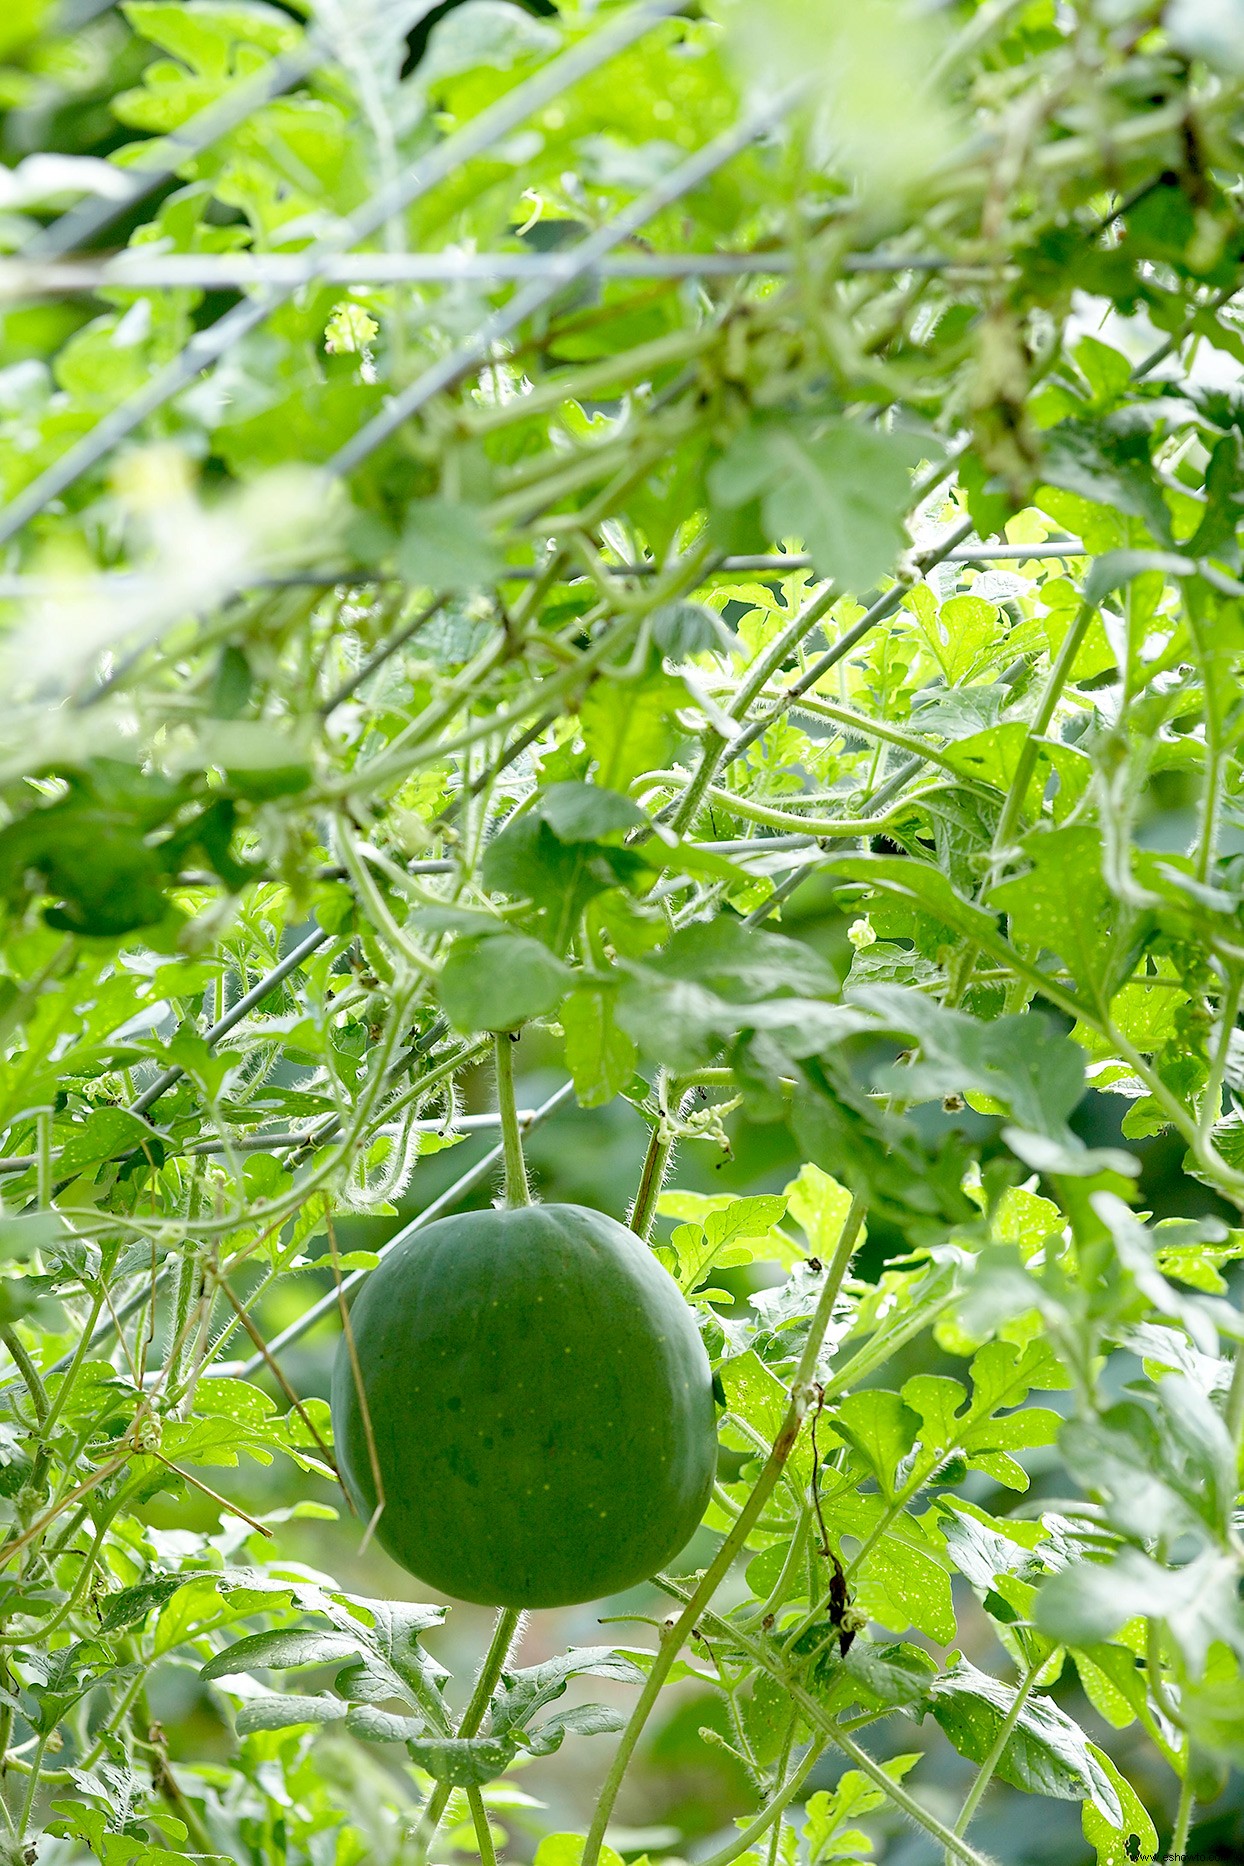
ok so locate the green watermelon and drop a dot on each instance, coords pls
(541, 1406)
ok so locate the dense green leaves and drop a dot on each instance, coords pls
(445, 647)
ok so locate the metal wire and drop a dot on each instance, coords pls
(234, 1015)
(285, 1142)
(768, 564)
(135, 269)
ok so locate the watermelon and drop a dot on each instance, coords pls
(540, 1403)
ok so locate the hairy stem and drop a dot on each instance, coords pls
(674, 1636)
(1228, 1012)
(1178, 1850)
(1025, 764)
(483, 1833)
(656, 1164)
(504, 1634)
(985, 1774)
(771, 1812)
(517, 1191)
(29, 1372)
(71, 1372)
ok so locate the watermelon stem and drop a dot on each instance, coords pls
(652, 1179)
(505, 1635)
(483, 1833)
(673, 1636)
(517, 1191)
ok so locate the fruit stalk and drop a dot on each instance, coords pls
(656, 1165)
(517, 1191)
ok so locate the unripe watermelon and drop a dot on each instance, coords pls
(541, 1405)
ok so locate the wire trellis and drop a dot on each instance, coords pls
(136, 270)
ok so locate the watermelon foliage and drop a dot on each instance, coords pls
(706, 538)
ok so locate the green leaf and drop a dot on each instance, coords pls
(1166, 1457)
(628, 725)
(1110, 463)
(880, 1678)
(982, 1547)
(743, 1218)
(585, 812)
(743, 964)
(819, 1206)
(600, 1056)
(282, 1650)
(683, 629)
(1062, 904)
(527, 859)
(959, 634)
(756, 1395)
(855, 1795)
(923, 885)
(579, 1720)
(1035, 1071)
(841, 486)
(904, 1580)
(881, 1428)
(447, 547)
(260, 759)
(1212, 1708)
(1134, 1836)
(135, 1603)
(279, 1713)
(501, 982)
(92, 859)
(206, 34)
(1088, 1602)
(1045, 1754)
(716, 1242)
(463, 1761)
(567, 1850)
(489, 33)
(685, 999)
(1115, 569)
(108, 1134)
(380, 1726)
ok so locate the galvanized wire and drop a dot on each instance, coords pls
(135, 269)
(762, 564)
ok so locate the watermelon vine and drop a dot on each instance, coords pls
(643, 582)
